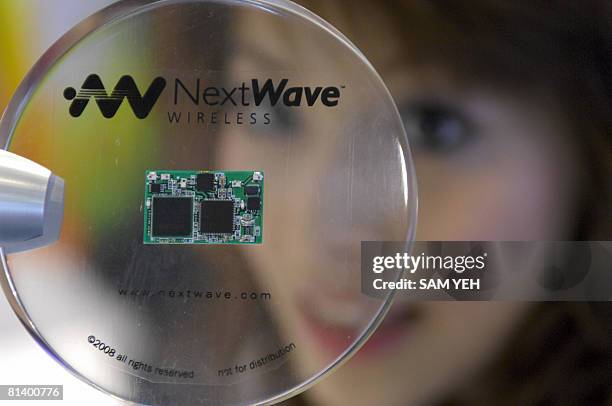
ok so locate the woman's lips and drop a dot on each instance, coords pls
(334, 317)
(393, 330)
(334, 330)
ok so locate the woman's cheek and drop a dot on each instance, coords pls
(517, 184)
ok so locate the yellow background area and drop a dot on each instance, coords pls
(16, 28)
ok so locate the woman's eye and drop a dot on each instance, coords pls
(436, 127)
(276, 122)
(284, 118)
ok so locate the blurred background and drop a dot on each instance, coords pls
(27, 29)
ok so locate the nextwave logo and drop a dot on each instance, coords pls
(109, 104)
(290, 96)
(196, 102)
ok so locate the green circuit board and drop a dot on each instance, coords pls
(203, 207)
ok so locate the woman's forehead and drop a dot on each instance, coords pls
(368, 28)
(494, 41)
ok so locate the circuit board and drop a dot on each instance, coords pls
(203, 207)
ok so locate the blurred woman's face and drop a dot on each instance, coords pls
(491, 164)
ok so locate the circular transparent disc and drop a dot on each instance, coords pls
(242, 308)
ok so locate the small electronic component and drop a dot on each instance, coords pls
(172, 216)
(253, 203)
(203, 207)
(251, 190)
(205, 182)
(217, 217)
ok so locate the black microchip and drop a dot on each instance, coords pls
(172, 216)
(251, 190)
(253, 203)
(155, 188)
(217, 217)
(205, 182)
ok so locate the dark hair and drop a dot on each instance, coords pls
(560, 355)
